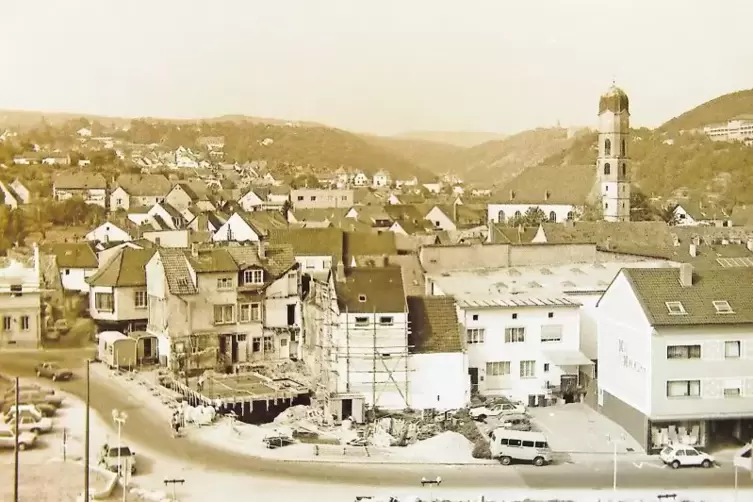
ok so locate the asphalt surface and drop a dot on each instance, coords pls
(148, 431)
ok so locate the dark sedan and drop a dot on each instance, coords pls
(53, 371)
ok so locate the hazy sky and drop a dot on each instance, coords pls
(380, 66)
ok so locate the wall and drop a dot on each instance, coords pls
(301, 198)
(495, 349)
(202, 305)
(240, 231)
(440, 220)
(74, 279)
(439, 381)
(589, 321)
(357, 359)
(279, 295)
(310, 264)
(107, 232)
(560, 210)
(713, 370)
(169, 238)
(27, 304)
(624, 347)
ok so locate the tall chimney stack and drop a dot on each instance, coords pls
(686, 275)
(261, 248)
(340, 272)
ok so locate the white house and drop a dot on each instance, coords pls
(84, 132)
(438, 363)
(433, 187)
(237, 228)
(185, 158)
(91, 187)
(76, 262)
(381, 179)
(693, 213)
(109, 232)
(676, 355)
(360, 179)
(254, 199)
(441, 221)
(555, 212)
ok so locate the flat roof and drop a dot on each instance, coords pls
(535, 283)
(245, 386)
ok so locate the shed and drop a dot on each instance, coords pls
(117, 350)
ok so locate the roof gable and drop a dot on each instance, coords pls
(73, 255)
(371, 290)
(126, 269)
(177, 273)
(434, 325)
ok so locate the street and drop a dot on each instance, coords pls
(150, 432)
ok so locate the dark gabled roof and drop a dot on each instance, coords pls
(177, 274)
(357, 244)
(79, 181)
(212, 261)
(381, 287)
(656, 286)
(144, 184)
(262, 222)
(311, 241)
(196, 190)
(125, 269)
(462, 215)
(503, 234)
(434, 327)
(403, 212)
(570, 185)
(174, 213)
(73, 255)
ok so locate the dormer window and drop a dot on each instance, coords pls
(255, 276)
(362, 298)
(723, 307)
(675, 308)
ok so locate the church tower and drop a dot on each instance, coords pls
(613, 169)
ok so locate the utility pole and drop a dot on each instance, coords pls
(86, 434)
(120, 417)
(15, 442)
(174, 482)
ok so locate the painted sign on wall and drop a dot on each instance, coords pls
(626, 360)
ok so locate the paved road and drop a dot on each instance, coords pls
(153, 433)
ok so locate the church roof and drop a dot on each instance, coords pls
(549, 184)
(615, 100)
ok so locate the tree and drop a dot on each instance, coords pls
(533, 217)
(305, 181)
(590, 212)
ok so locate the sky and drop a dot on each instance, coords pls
(379, 66)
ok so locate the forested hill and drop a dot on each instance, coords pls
(719, 109)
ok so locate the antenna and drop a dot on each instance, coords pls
(614, 80)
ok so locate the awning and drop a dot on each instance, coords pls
(568, 358)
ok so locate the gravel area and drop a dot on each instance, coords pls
(49, 482)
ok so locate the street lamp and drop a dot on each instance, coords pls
(614, 442)
(120, 418)
(432, 483)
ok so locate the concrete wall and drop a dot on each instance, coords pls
(310, 198)
(439, 381)
(624, 347)
(714, 371)
(635, 423)
(496, 349)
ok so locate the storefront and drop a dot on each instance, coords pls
(688, 432)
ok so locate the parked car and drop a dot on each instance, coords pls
(25, 439)
(517, 422)
(509, 446)
(274, 442)
(496, 410)
(53, 371)
(25, 409)
(28, 423)
(112, 456)
(9, 406)
(679, 455)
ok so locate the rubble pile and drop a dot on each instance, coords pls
(447, 447)
(407, 430)
(294, 370)
(200, 415)
(301, 421)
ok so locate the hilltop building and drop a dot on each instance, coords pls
(564, 192)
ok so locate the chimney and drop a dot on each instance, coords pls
(693, 250)
(547, 194)
(195, 249)
(686, 275)
(340, 272)
(261, 248)
(455, 212)
(385, 260)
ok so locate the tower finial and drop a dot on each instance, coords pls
(614, 80)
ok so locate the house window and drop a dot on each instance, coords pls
(675, 308)
(546, 367)
(300, 197)
(362, 298)
(624, 169)
(223, 314)
(515, 316)
(139, 299)
(224, 283)
(386, 321)
(684, 388)
(497, 368)
(550, 315)
(501, 217)
(16, 289)
(552, 217)
(607, 147)
(475, 317)
(551, 333)
(25, 323)
(269, 344)
(362, 321)
(570, 215)
(344, 197)
(683, 352)
(256, 344)
(119, 202)
(253, 276)
(732, 350)
(67, 271)
(733, 388)
(104, 302)
(249, 312)
(527, 369)
(515, 335)
(6, 323)
(723, 307)
(475, 335)
(624, 151)
(607, 168)
(313, 198)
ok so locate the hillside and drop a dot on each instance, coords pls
(322, 148)
(464, 139)
(23, 120)
(692, 162)
(427, 155)
(718, 109)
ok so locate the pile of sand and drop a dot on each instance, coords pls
(447, 447)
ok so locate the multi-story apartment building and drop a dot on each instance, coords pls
(676, 355)
(20, 304)
(117, 293)
(221, 307)
(317, 198)
(739, 128)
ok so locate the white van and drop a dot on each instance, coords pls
(508, 445)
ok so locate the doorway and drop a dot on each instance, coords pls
(347, 408)
(284, 348)
(291, 315)
(233, 349)
(473, 374)
(148, 347)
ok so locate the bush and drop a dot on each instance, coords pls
(481, 449)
